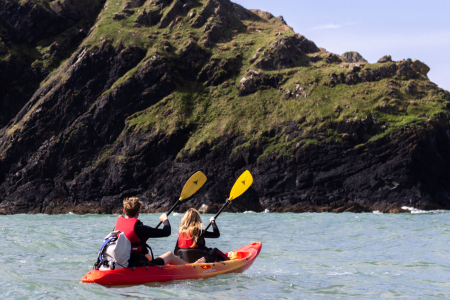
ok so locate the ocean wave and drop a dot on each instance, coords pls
(249, 212)
(419, 211)
(377, 212)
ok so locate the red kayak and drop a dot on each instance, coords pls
(240, 260)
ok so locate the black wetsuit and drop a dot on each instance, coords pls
(144, 232)
(212, 253)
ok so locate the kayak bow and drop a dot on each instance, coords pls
(240, 260)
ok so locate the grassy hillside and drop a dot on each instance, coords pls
(217, 110)
(305, 94)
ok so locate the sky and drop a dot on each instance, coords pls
(403, 29)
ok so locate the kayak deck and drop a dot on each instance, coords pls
(240, 260)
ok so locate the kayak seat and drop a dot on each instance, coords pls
(191, 255)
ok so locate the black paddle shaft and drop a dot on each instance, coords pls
(173, 207)
(215, 217)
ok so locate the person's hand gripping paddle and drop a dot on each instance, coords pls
(240, 186)
(192, 185)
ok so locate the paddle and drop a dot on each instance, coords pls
(190, 187)
(240, 186)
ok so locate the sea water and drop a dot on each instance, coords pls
(304, 256)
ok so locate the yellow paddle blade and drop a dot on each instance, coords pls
(242, 184)
(192, 185)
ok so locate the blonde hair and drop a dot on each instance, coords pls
(191, 224)
(131, 206)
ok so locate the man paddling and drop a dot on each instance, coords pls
(138, 234)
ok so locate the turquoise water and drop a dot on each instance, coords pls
(304, 256)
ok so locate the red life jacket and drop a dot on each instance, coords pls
(185, 241)
(126, 226)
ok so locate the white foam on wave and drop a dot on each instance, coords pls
(266, 211)
(70, 213)
(176, 214)
(339, 274)
(249, 212)
(377, 212)
(419, 211)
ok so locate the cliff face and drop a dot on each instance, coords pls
(153, 91)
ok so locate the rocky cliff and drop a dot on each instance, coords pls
(108, 99)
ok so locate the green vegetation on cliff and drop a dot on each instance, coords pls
(254, 80)
(306, 93)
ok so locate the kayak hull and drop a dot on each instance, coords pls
(240, 260)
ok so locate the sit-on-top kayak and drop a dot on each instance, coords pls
(240, 260)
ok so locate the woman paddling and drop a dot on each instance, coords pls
(138, 234)
(192, 236)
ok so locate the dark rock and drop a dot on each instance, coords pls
(26, 23)
(118, 16)
(191, 60)
(208, 9)
(411, 88)
(309, 197)
(254, 58)
(217, 71)
(149, 18)
(173, 11)
(161, 4)
(281, 19)
(54, 47)
(128, 12)
(352, 57)
(331, 58)
(215, 16)
(333, 178)
(315, 58)
(254, 81)
(421, 67)
(286, 52)
(370, 75)
(407, 69)
(213, 33)
(351, 79)
(384, 59)
(263, 14)
(133, 4)
(305, 45)
(242, 13)
(354, 68)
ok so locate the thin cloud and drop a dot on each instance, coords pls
(438, 41)
(331, 26)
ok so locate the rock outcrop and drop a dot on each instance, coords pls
(353, 57)
(149, 17)
(406, 69)
(254, 81)
(384, 59)
(421, 67)
(285, 53)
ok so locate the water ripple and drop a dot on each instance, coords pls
(304, 256)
